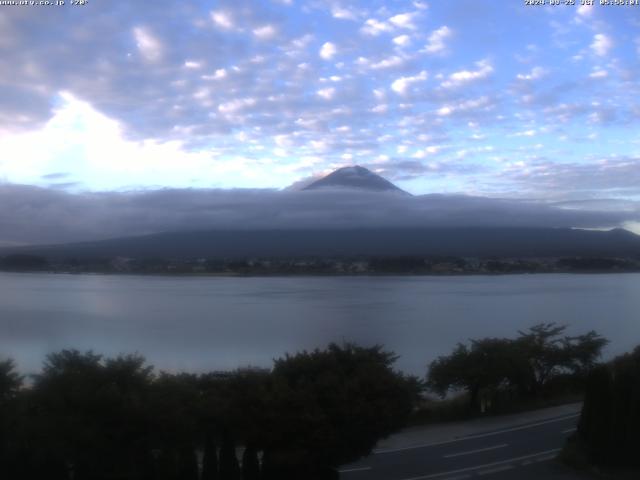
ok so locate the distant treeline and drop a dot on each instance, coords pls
(415, 265)
(85, 417)
(24, 262)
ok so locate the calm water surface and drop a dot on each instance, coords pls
(215, 323)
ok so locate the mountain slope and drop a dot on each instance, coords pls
(466, 242)
(354, 177)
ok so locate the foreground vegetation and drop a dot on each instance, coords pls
(89, 417)
(84, 416)
(498, 374)
(608, 432)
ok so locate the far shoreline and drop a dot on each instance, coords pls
(319, 275)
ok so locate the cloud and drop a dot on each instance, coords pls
(600, 73)
(327, 93)
(463, 77)
(390, 62)
(608, 177)
(585, 10)
(402, 40)
(535, 74)
(343, 13)
(38, 215)
(265, 32)
(195, 94)
(436, 43)
(526, 133)
(148, 45)
(222, 20)
(465, 106)
(93, 152)
(601, 44)
(375, 27)
(328, 51)
(402, 84)
(403, 20)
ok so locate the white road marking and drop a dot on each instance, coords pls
(472, 437)
(569, 430)
(358, 469)
(452, 455)
(486, 465)
(495, 470)
(544, 458)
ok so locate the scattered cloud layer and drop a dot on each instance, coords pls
(449, 97)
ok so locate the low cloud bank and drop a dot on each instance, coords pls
(33, 215)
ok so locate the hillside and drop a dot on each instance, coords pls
(464, 242)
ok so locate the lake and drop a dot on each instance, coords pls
(214, 323)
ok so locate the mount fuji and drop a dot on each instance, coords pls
(355, 177)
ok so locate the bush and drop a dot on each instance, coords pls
(113, 418)
(609, 426)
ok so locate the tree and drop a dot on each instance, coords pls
(229, 466)
(550, 354)
(66, 394)
(10, 384)
(524, 365)
(10, 381)
(583, 351)
(610, 420)
(329, 407)
(210, 459)
(173, 405)
(542, 347)
(125, 394)
(626, 408)
(187, 463)
(94, 414)
(488, 364)
(595, 419)
(250, 463)
(99, 418)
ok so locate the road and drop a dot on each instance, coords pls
(518, 446)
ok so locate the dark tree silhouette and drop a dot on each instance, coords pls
(330, 407)
(595, 420)
(10, 381)
(549, 353)
(250, 463)
(610, 419)
(187, 463)
(10, 384)
(210, 459)
(487, 364)
(229, 466)
(95, 418)
(525, 365)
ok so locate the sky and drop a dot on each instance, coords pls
(116, 100)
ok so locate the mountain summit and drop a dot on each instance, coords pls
(354, 177)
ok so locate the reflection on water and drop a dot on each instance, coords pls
(221, 323)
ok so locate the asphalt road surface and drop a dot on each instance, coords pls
(521, 451)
